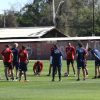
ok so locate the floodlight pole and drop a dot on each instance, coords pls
(93, 19)
(4, 21)
(56, 12)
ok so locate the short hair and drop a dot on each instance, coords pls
(55, 46)
(7, 46)
(15, 45)
(23, 47)
(80, 45)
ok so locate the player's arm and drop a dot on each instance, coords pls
(85, 53)
(27, 58)
(76, 54)
(12, 56)
(50, 59)
(61, 57)
(34, 68)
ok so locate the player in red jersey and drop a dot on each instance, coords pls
(37, 67)
(23, 59)
(7, 60)
(70, 54)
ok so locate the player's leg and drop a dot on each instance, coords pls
(78, 70)
(59, 72)
(68, 64)
(99, 71)
(72, 63)
(17, 69)
(20, 70)
(53, 72)
(24, 75)
(50, 69)
(11, 68)
(25, 70)
(84, 73)
(6, 70)
(78, 74)
(20, 74)
(96, 64)
(39, 69)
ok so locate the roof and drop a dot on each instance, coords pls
(34, 32)
(91, 38)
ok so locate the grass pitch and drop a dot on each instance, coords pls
(41, 87)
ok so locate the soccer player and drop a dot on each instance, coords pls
(50, 67)
(23, 59)
(81, 60)
(70, 53)
(96, 54)
(56, 57)
(37, 67)
(7, 60)
(15, 52)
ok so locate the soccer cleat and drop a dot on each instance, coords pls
(48, 74)
(53, 80)
(74, 75)
(98, 76)
(26, 80)
(78, 79)
(84, 79)
(7, 79)
(94, 77)
(60, 80)
(16, 77)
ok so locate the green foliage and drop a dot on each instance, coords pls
(73, 17)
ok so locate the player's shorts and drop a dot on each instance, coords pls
(70, 61)
(8, 64)
(16, 65)
(81, 64)
(23, 66)
(97, 62)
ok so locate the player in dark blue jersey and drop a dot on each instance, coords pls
(96, 54)
(15, 58)
(56, 57)
(81, 60)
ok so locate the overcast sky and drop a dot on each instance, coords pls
(15, 4)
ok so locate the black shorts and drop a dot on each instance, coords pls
(8, 64)
(70, 61)
(81, 64)
(16, 65)
(97, 62)
(23, 66)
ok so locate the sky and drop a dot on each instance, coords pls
(15, 4)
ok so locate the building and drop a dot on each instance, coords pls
(27, 36)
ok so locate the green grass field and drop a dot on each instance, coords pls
(41, 88)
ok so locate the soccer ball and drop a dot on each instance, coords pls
(65, 74)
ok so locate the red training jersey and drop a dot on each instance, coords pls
(7, 55)
(41, 66)
(23, 55)
(70, 52)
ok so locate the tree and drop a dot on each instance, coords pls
(10, 19)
